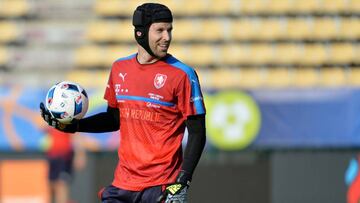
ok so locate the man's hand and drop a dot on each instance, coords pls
(176, 192)
(68, 128)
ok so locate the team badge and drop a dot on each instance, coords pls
(159, 80)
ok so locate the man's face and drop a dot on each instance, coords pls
(160, 38)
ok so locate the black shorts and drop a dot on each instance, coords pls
(60, 168)
(112, 194)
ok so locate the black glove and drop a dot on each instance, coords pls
(68, 128)
(176, 192)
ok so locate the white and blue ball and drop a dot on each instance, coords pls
(67, 101)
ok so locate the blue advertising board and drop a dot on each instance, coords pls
(236, 119)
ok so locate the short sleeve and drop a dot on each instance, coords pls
(189, 95)
(110, 95)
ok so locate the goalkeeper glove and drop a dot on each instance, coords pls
(68, 128)
(176, 192)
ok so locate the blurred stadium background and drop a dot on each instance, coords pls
(281, 80)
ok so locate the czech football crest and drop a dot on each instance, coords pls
(159, 80)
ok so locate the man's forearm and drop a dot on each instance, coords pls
(102, 122)
(195, 144)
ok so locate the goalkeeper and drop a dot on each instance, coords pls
(152, 97)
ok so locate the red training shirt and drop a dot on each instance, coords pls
(154, 100)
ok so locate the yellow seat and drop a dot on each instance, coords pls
(305, 77)
(184, 30)
(288, 53)
(191, 8)
(14, 8)
(332, 77)
(342, 53)
(225, 78)
(253, 6)
(99, 31)
(299, 29)
(251, 77)
(221, 7)
(334, 6)
(123, 31)
(89, 56)
(350, 28)
(4, 56)
(9, 32)
(279, 6)
(357, 53)
(112, 8)
(271, 29)
(244, 29)
(278, 77)
(304, 6)
(234, 54)
(325, 28)
(212, 30)
(314, 54)
(354, 6)
(262, 54)
(354, 77)
(113, 53)
(110, 31)
(202, 55)
(89, 79)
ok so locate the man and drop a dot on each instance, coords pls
(151, 98)
(64, 153)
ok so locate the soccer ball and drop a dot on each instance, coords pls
(66, 101)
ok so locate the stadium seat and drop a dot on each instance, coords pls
(89, 79)
(334, 6)
(221, 7)
(89, 56)
(14, 8)
(325, 28)
(123, 31)
(354, 6)
(110, 31)
(99, 31)
(301, 6)
(212, 30)
(279, 6)
(350, 28)
(271, 29)
(9, 32)
(288, 53)
(278, 77)
(314, 54)
(305, 77)
(357, 53)
(299, 28)
(353, 78)
(253, 6)
(202, 54)
(4, 56)
(332, 77)
(342, 53)
(191, 8)
(244, 28)
(234, 54)
(251, 77)
(225, 78)
(184, 30)
(112, 53)
(112, 8)
(262, 54)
